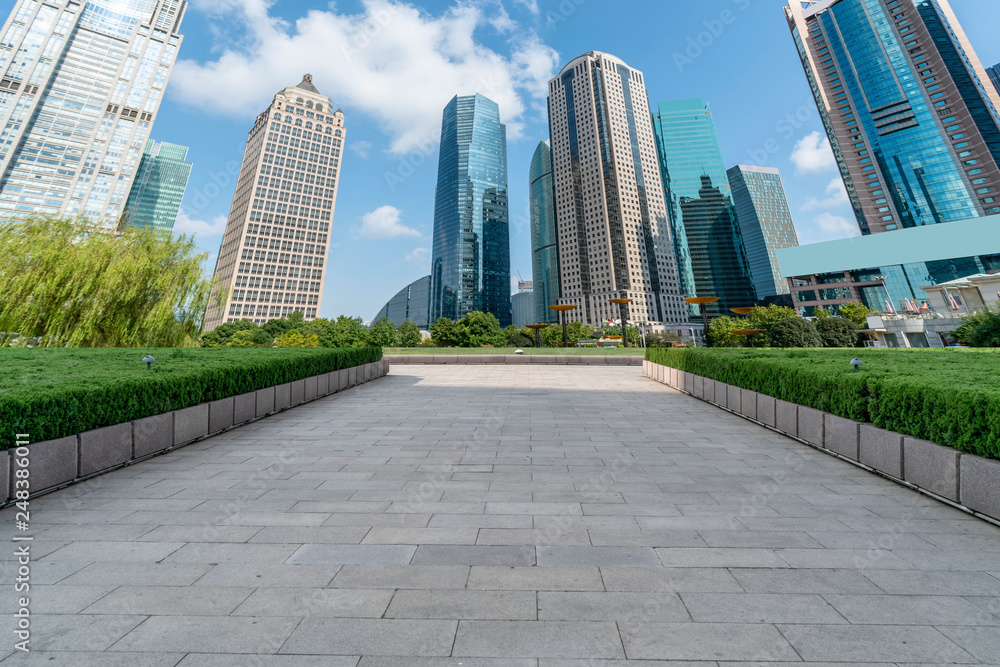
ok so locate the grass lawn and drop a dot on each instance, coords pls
(608, 351)
(948, 395)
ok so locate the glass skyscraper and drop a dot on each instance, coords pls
(710, 251)
(470, 261)
(410, 303)
(158, 189)
(765, 223)
(994, 74)
(908, 108)
(544, 235)
(81, 86)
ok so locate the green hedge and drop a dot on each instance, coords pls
(52, 393)
(948, 396)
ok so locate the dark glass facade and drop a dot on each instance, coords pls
(544, 235)
(994, 74)
(711, 257)
(410, 303)
(470, 263)
(158, 189)
(765, 223)
(915, 134)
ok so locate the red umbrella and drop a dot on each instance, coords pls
(954, 304)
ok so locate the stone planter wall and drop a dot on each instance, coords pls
(55, 463)
(589, 360)
(970, 481)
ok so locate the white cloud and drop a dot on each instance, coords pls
(837, 226)
(813, 153)
(394, 62)
(360, 147)
(418, 256)
(187, 225)
(383, 223)
(530, 5)
(836, 195)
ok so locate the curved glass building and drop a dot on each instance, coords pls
(544, 235)
(470, 261)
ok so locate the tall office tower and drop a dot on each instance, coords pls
(614, 238)
(159, 185)
(907, 106)
(544, 235)
(994, 74)
(81, 86)
(707, 239)
(277, 237)
(522, 304)
(765, 224)
(470, 259)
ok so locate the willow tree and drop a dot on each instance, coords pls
(68, 282)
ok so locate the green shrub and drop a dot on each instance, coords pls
(980, 329)
(520, 340)
(794, 332)
(948, 396)
(52, 393)
(837, 332)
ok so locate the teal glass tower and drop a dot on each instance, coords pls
(544, 235)
(765, 223)
(910, 113)
(994, 74)
(711, 257)
(470, 260)
(158, 189)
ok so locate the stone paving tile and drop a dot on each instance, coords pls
(186, 557)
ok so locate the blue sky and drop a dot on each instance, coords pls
(392, 67)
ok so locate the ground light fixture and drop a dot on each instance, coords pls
(562, 308)
(703, 301)
(856, 363)
(624, 317)
(148, 360)
(538, 332)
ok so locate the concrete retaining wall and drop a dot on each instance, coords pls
(965, 479)
(586, 359)
(55, 463)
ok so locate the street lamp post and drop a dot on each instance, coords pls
(624, 317)
(703, 301)
(538, 332)
(562, 308)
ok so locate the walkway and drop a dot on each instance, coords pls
(503, 515)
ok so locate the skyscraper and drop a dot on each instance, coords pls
(707, 238)
(907, 107)
(277, 238)
(522, 304)
(81, 86)
(614, 238)
(994, 74)
(470, 259)
(159, 185)
(765, 224)
(544, 235)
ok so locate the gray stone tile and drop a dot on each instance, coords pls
(401, 576)
(670, 580)
(103, 659)
(221, 660)
(759, 608)
(804, 581)
(872, 643)
(353, 554)
(910, 610)
(540, 639)
(206, 552)
(597, 556)
(322, 602)
(896, 582)
(137, 574)
(535, 578)
(170, 601)
(385, 637)
(730, 557)
(282, 575)
(63, 599)
(79, 632)
(464, 604)
(714, 641)
(199, 634)
(611, 606)
(379, 661)
(476, 555)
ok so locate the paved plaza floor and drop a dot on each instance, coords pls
(550, 516)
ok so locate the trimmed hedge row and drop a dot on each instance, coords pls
(52, 393)
(951, 397)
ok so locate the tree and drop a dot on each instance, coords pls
(295, 338)
(445, 333)
(344, 332)
(632, 333)
(69, 282)
(221, 335)
(856, 312)
(765, 317)
(242, 338)
(981, 329)
(820, 312)
(520, 340)
(794, 332)
(481, 329)
(720, 331)
(409, 334)
(383, 334)
(837, 332)
(575, 331)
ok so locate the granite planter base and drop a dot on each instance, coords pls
(969, 481)
(589, 360)
(55, 463)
